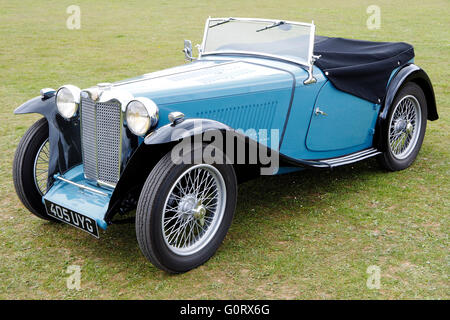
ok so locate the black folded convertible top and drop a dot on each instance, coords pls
(361, 68)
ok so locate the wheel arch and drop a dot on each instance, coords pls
(409, 73)
(64, 135)
(151, 151)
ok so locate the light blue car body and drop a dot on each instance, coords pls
(242, 93)
(263, 102)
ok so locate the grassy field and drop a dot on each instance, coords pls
(306, 235)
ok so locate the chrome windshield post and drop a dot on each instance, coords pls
(311, 78)
(312, 57)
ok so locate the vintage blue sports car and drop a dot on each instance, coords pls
(263, 97)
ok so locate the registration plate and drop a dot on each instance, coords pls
(73, 218)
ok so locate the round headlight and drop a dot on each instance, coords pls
(67, 100)
(141, 115)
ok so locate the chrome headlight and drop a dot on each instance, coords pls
(67, 100)
(142, 114)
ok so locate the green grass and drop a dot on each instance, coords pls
(303, 235)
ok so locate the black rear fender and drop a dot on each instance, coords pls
(409, 73)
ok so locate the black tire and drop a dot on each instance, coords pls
(149, 215)
(388, 159)
(23, 168)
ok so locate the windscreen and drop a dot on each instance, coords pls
(276, 38)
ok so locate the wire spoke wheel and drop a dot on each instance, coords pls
(40, 169)
(404, 127)
(184, 212)
(193, 209)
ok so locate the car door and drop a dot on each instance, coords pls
(341, 121)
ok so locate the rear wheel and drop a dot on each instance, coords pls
(30, 168)
(406, 127)
(184, 213)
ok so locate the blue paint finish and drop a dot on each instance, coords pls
(195, 65)
(239, 92)
(394, 72)
(223, 79)
(284, 170)
(329, 129)
(297, 127)
(249, 93)
(249, 111)
(86, 202)
(220, 89)
(347, 123)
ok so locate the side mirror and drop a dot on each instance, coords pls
(188, 50)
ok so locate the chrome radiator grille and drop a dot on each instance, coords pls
(101, 136)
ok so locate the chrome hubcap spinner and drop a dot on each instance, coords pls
(404, 127)
(194, 209)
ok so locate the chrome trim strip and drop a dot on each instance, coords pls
(81, 136)
(115, 94)
(106, 184)
(113, 185)
(96, 140)
(80, 185)
(356, 159)
(351, 158)
(305, 24)
(205, 34)
(311, 78)
(311, 43)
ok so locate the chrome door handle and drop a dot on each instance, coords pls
(319, 112)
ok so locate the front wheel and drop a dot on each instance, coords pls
(30, 168)
(405, 130)
(184, 213)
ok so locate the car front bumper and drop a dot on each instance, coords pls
(74, 192)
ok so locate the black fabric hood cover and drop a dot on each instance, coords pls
(361, 68)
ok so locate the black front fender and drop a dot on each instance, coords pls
(147, 155)
(184, 129)
(64, 135)
(46, 107)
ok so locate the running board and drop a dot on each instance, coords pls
(351, 158)
(334, 162)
